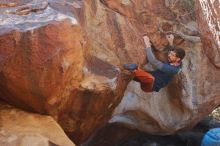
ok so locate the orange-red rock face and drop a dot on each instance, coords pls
(64, 58)
(36, 65)
(49, 65)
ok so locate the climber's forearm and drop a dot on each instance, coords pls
(152, 59)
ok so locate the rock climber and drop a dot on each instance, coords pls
(164, 73)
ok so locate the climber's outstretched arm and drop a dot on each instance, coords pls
(150, 56)
(155, 62)
(152, 59)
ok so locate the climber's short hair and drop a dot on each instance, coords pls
(180, 53)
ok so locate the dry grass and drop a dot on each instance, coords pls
(216, 113)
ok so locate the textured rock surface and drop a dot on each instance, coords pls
(192, 95)
(50, 64)
(19, 128)
(63, 58)
(208, 16)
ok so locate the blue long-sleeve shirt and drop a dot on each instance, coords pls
(164, 73)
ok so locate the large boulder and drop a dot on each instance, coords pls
(18, 127)
(50, 64)
(194, 93)
(64, 58)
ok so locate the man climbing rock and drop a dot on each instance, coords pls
(164, 73)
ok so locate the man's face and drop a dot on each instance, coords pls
(172, 58)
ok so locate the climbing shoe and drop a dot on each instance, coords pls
(130, 67)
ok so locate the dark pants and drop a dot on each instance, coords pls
(145, 79)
